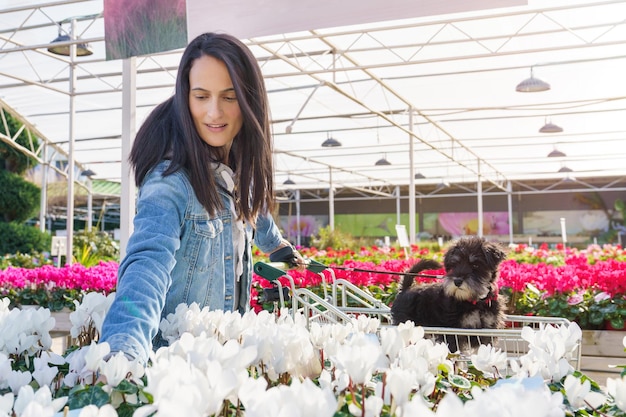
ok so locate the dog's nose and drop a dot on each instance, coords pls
(458, 281)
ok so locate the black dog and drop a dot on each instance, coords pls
(466, 297)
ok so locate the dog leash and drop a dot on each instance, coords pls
(377, 271)
(274, 270)
(284, 258)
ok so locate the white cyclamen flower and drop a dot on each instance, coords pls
(616, 388)
(116, 369)
(579, 393)
(366, 324)
(433, 355)
(5, 370)
(373, 407)
(6, 404)
(489, 360)
(181, 388)
(400, 383)
(549, 350)
(44, 374)
(391, 341)
(4, 306)
(91, 410)
(18, 379)
(513, 398)
(90, 312)
(95, 354)
(359, 357)
(37, 404)
(416, 407)
(410, 333)
(319, 334)
(303, 399)
(26, 332)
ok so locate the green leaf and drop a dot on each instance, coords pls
(617, 322)
(127, 387)
(596, 317)
(87, 395)
(126, 410)
(459, 382)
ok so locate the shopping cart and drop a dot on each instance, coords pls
(313, 307)
(341, 301)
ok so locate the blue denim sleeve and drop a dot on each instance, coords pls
(267, 236)
(144, 275)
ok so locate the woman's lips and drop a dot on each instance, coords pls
(215, 127)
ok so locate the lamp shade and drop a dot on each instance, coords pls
(382, 161)
(331, 142)
(419, 176)
(88, 173)
(556, 154)
(289, 181)
(82, 49)
(550, 127)
(565, 169)
(532, 84)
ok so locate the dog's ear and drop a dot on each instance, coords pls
(449, 253)
(494, 253)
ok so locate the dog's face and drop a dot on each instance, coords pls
(471, 266)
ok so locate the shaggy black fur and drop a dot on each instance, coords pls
(466, 297)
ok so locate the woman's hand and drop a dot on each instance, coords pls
(285, 252)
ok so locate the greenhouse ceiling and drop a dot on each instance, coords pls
(435, 96)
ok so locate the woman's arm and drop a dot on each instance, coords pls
(269, 239)
(144, 274)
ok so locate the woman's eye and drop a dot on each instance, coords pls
(230, 98)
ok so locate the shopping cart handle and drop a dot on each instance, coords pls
(270, 271)
(315, 266)
(273, 270)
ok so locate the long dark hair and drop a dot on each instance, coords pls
(169, 132)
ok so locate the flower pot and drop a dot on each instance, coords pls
(609, 325)
(601, 351)
(61, 338)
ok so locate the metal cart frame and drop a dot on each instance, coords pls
(346, 301)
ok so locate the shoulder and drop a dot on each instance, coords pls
(175, 184)
(155, 174)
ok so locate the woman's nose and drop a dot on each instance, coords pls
(214, 109)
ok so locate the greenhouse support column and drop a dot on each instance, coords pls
(129, 108)
(89, 204)
(298, 229)
(70, 155)
(397, 193)
(480, 201)
(421, 216)
(411, 181)
(509, 200)
(331, 200)
(43, 205)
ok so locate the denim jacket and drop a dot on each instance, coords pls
(177, 253)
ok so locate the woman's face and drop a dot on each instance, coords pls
(213, 103)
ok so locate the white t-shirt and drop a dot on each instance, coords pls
(238, 228)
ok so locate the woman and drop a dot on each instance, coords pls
(203, 165)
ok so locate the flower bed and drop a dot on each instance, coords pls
(226, 364)
(56, 288)
(587, 286)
